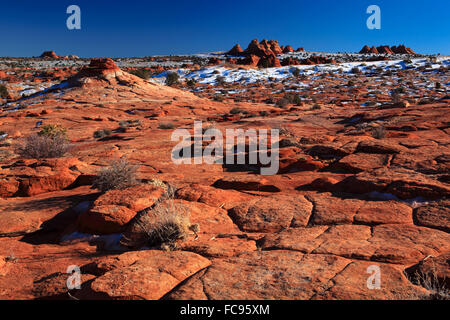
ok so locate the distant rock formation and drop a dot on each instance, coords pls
(49, 54)
(289, 61)
(262, 54)
(100, 69)
(384, 50)
(288, 49)
(317, 60)
(235, 51)
(401, 49)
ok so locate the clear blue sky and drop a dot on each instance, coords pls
(142, 28)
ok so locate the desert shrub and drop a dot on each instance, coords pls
(355, 70)
(130, 123)
(379, 133)
(293, 98)
(158, 183)
(3, 92)
(220, 80)
(283, 102)
(285, 132)
(99, 134)
(191, 83)
(296, 72)
(395, 96)
(53, 130)
(316, 107)
(436, 289)
(141, 73)
(120, 174)
(438, 85)
(218, 98)
(166, 224)
(44, 146)
(172, 78)
(166, 125)
(236, 110)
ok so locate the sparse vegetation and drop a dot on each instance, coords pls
(282, 103)
(141, 73)
(236, 110)
(120, 174)
(191, 83)
(44, 146)
(3, 92)
(220, 80)
(100, 134)
(379, 132)
(436, 288)
(53, 130)
(218, 98)
(166, 125)
(167, 224)
(172, 78)
(355, 70)
(130, 123)
(158, 183)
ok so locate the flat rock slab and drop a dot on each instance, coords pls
(212, 196)
(245, 183)
(220, 246)
(272, 213)
(405, 184)
(289, 275)
(434, 215)
(397, 244)
(26, 215)
(353, 283)
(329, 210)
(144, 275)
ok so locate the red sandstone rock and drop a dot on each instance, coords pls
(49, 54)
(146, 275)
(235, 51)
(288, 49)
(272, 213)
(105, 219)
(269, 61)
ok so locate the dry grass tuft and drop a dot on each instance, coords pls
(120, 174)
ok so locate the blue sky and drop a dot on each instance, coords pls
(142, 28)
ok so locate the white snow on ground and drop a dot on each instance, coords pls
(414, 203)
(209, 75)
(108, 242)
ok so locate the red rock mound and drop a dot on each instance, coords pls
(99, 67)
(402, 49)
(262, 54)
(49, 54)
(317, 60)
(235, 51)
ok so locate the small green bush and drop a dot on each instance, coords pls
(53, 130)
(141, 73)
